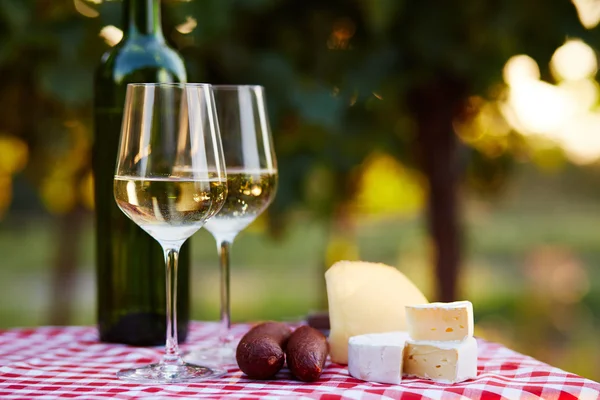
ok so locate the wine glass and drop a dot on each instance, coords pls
(251, 181)
(170, 179)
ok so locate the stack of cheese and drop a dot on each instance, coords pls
(439, 345)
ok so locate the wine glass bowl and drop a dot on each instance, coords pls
(170, 179)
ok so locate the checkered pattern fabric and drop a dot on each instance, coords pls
(69, 362)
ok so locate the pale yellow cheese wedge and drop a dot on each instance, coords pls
(366, 298)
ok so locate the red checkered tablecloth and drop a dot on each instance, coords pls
(69, 362)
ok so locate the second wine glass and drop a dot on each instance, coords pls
(252, 182)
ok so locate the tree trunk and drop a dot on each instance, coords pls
(434, 106)
(64, 270)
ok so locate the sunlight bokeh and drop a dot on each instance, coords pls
(588, 11)
(562, 112)
(574, 60)
(111, 35)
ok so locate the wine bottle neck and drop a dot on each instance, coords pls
(142, 18)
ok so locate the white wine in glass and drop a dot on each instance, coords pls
(169, 208)
(251, 185)
(249, 194)
(170, 179)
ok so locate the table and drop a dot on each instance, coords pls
(69, 362)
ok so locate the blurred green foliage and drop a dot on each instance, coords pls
(337, 73)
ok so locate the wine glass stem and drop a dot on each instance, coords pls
(224, 248)
(171, 356)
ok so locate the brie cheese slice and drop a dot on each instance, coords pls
(377, 357)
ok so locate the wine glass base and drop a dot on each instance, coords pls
(220, 355)
(163, 373)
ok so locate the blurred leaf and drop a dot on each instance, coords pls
(5, 52)
(87, 191)
(221, 14)
(380, 14)
(387, 188)
(319, 187)
(255, 4)
(13, 155)
(5, 193)
(16, 13)
(58, 195)
(341, 247)
(549, 158)
(68, 82)
(316, 105)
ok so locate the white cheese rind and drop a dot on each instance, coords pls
(444, 362)
(440, 321)
(366, 298)
(377, 357)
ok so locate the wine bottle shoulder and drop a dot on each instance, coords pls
(140, 60)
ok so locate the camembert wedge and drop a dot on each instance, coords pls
(445, 362)
(440, 321)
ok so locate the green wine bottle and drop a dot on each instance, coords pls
(130, 266)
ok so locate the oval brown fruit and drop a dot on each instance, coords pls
(261, 352)
(306, 353)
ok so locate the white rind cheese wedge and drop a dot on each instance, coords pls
(377, 357)
(440, 321)
(366, 298)
(445, 362)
